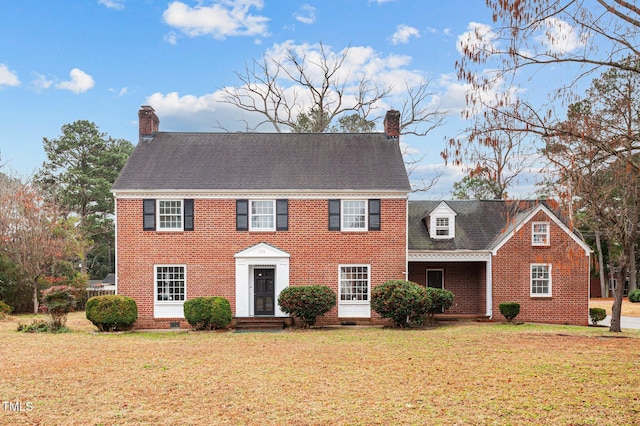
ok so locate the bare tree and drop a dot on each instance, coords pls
(599, 168)
(318, 84)
(492, 152)
(29, 234)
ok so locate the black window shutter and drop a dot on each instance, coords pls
(188, 215)
(374, 215)
(242, 215)
(282, 215)
(334, 215)
(149, 215)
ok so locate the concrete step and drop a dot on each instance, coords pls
(260, 323)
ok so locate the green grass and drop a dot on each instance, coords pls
(467, 373)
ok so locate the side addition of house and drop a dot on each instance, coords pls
(492, 251)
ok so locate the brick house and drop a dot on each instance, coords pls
(244, 215)
(491, 251)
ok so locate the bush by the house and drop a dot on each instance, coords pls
(402, 302)
(440, 300)
(634, 296)
(208, 313)
(5, 310)
(112, 312)
(597, 315)
(307, 302)
(58, 301)
(509, 310)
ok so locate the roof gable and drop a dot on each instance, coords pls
(525, 217)
(265, 161)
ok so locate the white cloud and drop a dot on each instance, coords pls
(403, 34)
(120, 92)
(559, 37)
(306, 14)
(112, 4)
(41, 82)
(8, 77)
(223, 19)
(80, 82)
(171, 38)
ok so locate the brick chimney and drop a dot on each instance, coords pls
(149, 122)
(392, 124)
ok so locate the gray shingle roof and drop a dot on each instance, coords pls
(265, 161)
(479, 223)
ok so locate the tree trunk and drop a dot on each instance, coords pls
(603, 279)
(35, 297)
(616, 309)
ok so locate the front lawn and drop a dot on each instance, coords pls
(468, 373)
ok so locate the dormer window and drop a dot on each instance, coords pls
(442, 222)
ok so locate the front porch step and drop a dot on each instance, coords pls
(260, 323)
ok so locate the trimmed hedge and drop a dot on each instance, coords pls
(208, 313)
(597, 315)
(634, 296)
(112, 312)
(510, 310)
(307, 302)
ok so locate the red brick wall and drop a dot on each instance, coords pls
(466, 280)
(209, 251)
(569, 302)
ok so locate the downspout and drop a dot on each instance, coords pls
(489, 280)
(406, 239)
(115, 233)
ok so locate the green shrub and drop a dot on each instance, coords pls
(221, 313)
(207, 313)
(5, 310)
(402, 302)
(510, 310)
(112, 312)
(307, 302)
(58, 301)
(441, 300)
(597, 315)
(634, 296)
(36, 326)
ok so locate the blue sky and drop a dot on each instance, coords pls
(100, 60)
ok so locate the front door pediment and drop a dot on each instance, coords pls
(261, 250)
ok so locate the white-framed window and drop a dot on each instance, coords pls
(354, 215)
(540, 280)
(442, 226)
(170, 215)
(540, 233)
(262, 215)
(170, 283)
(354, 283)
